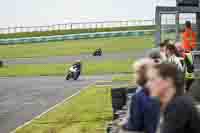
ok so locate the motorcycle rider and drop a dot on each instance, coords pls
(76, 67)
(74, 71)
(97, 52)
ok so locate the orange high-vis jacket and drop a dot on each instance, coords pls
(189, 39)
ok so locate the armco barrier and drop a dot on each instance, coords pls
(76, 36)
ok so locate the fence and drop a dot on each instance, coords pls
(88, 25)
(76, 36)
(72, 26)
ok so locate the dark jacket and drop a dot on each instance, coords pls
(77, 65)
(144, 113)
(181, 116)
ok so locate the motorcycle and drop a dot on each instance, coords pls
(1, 63)
(73, 73)
(97, 52)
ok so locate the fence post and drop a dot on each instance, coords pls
(153, 21)
(71, 26)
(53, 28)
(120, 24)
(28, 29)
(96, 26)
(49, 28)
(15, 29)
(8, 30)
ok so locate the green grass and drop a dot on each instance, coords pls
(74, 31)
(166, 35)
(89, 68)
(124, 80)
(76, 47)
(128, 77)
(86, 113)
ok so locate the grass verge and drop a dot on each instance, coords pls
(86, 113)
(124, 80)
(89, 68)
(128, 77)
(76, 47)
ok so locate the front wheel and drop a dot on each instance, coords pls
(68, 76)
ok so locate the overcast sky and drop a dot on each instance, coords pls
(43, 12)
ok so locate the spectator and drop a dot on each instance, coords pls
(171, 53)
(179, 113)
(160, 51)
(155, 55)
(180, 49)
(188, 37)
(163, 47)
(142, 114)
(189, 68)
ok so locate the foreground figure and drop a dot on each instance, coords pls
(179, 112)
(143, 113)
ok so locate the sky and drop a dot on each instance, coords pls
(47, 12)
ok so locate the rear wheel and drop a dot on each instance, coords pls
(100, 53)
(76, 75)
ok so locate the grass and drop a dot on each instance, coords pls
(76, 47)
(74, 31)
(166, 35)
(128, 77)
(89, 68)
(124, 80)
(86, 113)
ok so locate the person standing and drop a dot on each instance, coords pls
(188, 37)
(179, 112)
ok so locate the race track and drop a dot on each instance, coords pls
(23, 98)
(70, 59)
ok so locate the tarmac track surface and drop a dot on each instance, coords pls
(70, 59)
(23, 98)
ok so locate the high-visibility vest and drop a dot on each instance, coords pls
(187, 74)
(189, 39)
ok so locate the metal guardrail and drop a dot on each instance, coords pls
(74, 26)
(76, 36)
(93, 25)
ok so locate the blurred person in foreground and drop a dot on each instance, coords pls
(178, 111)
(143, 116)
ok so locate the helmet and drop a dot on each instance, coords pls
(78, 61)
